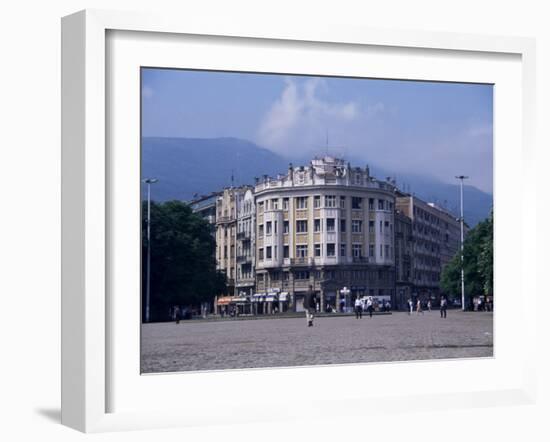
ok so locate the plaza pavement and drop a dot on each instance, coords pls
(283, 342)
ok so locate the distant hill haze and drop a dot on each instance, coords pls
(188, 167)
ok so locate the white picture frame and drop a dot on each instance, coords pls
(87, 214)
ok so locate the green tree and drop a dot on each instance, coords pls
(183, 266)
(478, 264)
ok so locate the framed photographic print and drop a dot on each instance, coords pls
(247, 211)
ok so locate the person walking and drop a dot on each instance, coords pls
(310, 304)
(443, 307)
(177, 314)
(410, 306)
(419, 307)
(429, 305)
(358, 308)
(369, 306)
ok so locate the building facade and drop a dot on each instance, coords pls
(245, 240)
(328, 226)
(403, 260)
(436, 239)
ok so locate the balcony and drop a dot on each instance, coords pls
(243, 235)
(224, 219)
(244, 258)
(302, 261)
(360, 260)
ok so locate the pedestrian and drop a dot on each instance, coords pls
(443, 307)
(342, 304)
(177, 314)
(358, 309)
(309, 305)
(410, 306)
(369, 306)
(419, 307)
(429, 305)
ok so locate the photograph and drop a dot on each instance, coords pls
(293, 220)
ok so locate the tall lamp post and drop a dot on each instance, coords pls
(148, 181)
(462, 178)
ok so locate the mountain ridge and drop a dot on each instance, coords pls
(188, 167)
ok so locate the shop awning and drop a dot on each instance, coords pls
(258, 297)
(271, 298)
(225, 300)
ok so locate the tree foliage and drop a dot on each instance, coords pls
(183, 265)
(478, 264)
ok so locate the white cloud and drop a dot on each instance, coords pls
(147, 92)
(300, 117)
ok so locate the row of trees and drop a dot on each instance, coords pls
(183, 265)
(478, 264)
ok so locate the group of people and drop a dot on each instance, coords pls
(362, 304)
(419, 310)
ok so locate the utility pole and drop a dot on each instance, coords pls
(148, 181)
(462, 178)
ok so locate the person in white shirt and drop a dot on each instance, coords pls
(369, 306)
(358, 308)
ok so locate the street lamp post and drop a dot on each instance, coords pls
(148, 181)
(345, 292)
(462, 178)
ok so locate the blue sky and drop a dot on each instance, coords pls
(437, 129)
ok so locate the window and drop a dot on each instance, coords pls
(371, 226)
(285, 252)
(275, 276)
(330, 225)
(343, 225)
(285, 203)
(342, 202)
(371, 203)
(317, 250)
(356, 250)
(301, 275)
(387, 250)
(301, 251)
(331, 249)
(268, 252)
(371, 250)
(380, 250)
(285, 227)
(225, 251)
(301, 202)
(342, 250)
(260, 254)
(330, 200)
(317, 225)
(301, 226)
(268, 228)
(275, 252)
(274, 226)
(261, 206)
(380, 204)
(316, 201)
(356, 202)
(261, 230)
(356, 226)
(285, 276)
(274, 204)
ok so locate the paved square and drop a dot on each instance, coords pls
(283, 342)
